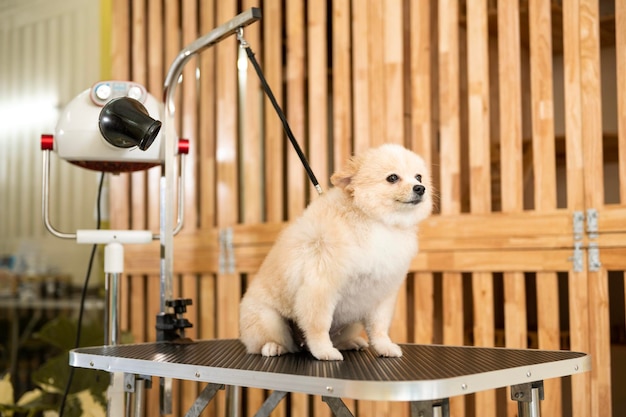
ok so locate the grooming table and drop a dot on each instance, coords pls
(426, 375)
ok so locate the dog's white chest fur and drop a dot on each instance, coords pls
(381, 263)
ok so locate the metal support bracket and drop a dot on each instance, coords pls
(226, 254)
(130, 382)
(337, 406)
(435, 408)
(270, 404)
(203, 399)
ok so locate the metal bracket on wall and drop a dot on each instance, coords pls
(226, 254)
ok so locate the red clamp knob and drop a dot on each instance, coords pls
(47, 142)
(183, 146)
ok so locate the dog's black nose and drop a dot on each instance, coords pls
(419, 189)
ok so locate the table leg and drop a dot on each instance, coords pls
(435, 408)
(528, 397)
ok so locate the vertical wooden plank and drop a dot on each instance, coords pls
(578, 296)
(620, 50)
(251, 111)
(480, 174)
(207, 294)
(478, 106)
(206, 130)
(274, 137)
(119, 184)
(542, 107)
(341, 83)
(138, 74)
(296, 190)
(591, 102)
(450, 165)
(376, 55)
(189, 111)
(393, 61)
(542, 104)
(449, 106)
(317, 97)
(360, 99)
(511, 157)
(135, 209)
(421, 142)
(317, 102)
(252, 167)
(189, 130)
(509, 74)
(421, 79)
(154, 85)
(424, 307)
(360, 78)
(227, 197)
(394, 93)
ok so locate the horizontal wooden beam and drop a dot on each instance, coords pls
(446, 243)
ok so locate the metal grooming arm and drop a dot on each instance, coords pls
(169, 171)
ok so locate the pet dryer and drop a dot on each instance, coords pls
(112, 127)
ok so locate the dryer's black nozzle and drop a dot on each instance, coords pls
(124, 122)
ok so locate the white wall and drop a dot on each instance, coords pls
(49, 52)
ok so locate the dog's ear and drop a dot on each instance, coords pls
(343, 177)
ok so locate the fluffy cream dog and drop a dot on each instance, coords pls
(337, 269)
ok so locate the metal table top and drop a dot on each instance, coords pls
(424, 372)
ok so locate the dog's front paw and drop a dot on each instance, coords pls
(387, 349)
(327, 354)
(273, 349)
(358, 343)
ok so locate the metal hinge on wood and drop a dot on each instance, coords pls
(593, 254)
(593, 257)
(590, 219)
(592, 223)
(577, 257)
(579, 230)
(226, 255)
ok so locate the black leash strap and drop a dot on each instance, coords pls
(281, 115)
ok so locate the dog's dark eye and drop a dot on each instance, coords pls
(418, 177)
(392, 178)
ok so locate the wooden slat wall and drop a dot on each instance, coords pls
(454, 81)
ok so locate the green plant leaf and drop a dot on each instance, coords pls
(61, 332)
(53, 375)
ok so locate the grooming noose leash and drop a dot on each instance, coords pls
(268, 91)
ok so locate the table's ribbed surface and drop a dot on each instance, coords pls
(432, 371)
